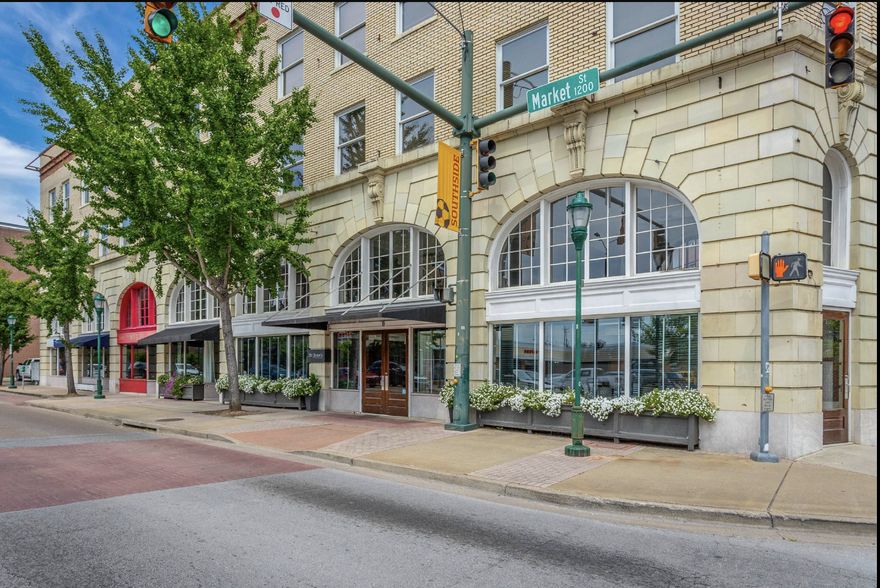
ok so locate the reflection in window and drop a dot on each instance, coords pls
(300, 290)
(350, 278)
(248, 304)
(603, 350)
(416, 123)
(412, 13)
(198, 303)
(664, 352)
(430, 357)
(346, 352)
(827, 214)
(294, 163)
(666, 233)
(520, 263)
(608, 232)
(351, 142)
(524, 66)
(562, 252)
(247, 356)
(291, 65)
(516, 355)
(299, 352)
(351, 18)
(273, 357)
(180, 305)
(279, 300)
(432, 269)
(389, 264)
(640, 29)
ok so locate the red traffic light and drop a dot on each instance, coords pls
(840, 19)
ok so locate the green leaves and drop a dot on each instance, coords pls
(16, 298)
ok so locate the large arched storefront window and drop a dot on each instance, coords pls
(640, 325)
(403, 262)
(137, 320)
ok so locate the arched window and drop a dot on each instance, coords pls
(537, 248)
(399, 263)
(138, 308)
(180, 306)
(835, 210)
(191, 303)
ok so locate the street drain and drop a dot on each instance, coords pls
(167, 420)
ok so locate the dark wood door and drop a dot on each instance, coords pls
(835, 377)
(385, 373)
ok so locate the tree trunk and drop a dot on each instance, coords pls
(68, 359)
(3, 367)
(231, 360)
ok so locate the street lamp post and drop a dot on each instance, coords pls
(579, 212)
(99, 310)
(11, 322)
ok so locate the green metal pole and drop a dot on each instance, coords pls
(462, 369)
(98, 389)
(577, 447)
(12, 358)
(699, 41)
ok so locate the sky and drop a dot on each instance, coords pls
(21, 136)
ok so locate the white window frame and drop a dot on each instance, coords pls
(363, 243)
(399, 17)
(103, 250)
(610, 40)
(283, 294)
(544, 206)
(398, 113)
(281, 69)
(340, 34)
(841, 188)
(183, 290)
(85, 194)
(338, 148)
(65, 194)
(499, 83)
(295, 161)
(53, 200)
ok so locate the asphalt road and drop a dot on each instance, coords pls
(328, 527)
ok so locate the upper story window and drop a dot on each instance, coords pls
(138, 308)
(198, 303)
(53, 200)
(291, 66)
(294, 162)
(86, 236)
(65, 191)
(249, 304)
(409, 14)
(85, 194)
(103, 249)
(301, 293)
(522, 64)
(400, 263)
(279, 301)
(351, 27)
(415, 123)
(664, 225)
(190, 303)
(122, 241)
(351, 133)
(638, 29)
(835, 210)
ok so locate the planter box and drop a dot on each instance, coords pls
(672, 430)
(193, 392)
(283, 401)
(311, 403)
(275, 400)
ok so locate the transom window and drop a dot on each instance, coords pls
(291, 52)
(138, 308)
(409, 14)
(523, 64)
(665, 229)
(400, 263)
(351, 138)
(351, 21)
(416, 124)
(638, 29)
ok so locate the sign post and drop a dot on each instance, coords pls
(763, 454)
(564, 90)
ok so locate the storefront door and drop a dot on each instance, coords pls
(385, 373)
(835, 377)
(138, 364)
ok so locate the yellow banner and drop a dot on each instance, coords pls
(448, 187)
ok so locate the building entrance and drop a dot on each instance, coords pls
(835, 377)
(385, 373)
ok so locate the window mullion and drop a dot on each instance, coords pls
(644, 28)
(513, 80)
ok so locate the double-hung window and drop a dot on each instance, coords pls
(85, 194)
(291, 52)
(53, 200)
(351, 27)
(294, 163)
(102, 243)
(416, 124)
(279, 301)
(65, 191)
(409, 14)
(638, 29)
(522, 64)
(350, 138)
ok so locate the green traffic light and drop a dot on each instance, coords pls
(163, 22)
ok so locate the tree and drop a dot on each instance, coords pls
(190, 162)
(56, 256)
(15, 299)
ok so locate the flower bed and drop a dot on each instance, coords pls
(284, 392)
(674, 414)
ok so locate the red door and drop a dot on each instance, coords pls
(134, 368)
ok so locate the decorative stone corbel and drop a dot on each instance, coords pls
(576, 141)
(375, 175)
(848, 98)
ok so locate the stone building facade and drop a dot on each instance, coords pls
(686, 165)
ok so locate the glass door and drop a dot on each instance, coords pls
(385, 373)
(396, 374)
(835, 377)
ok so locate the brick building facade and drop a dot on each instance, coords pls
(18, 232)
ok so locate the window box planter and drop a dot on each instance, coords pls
(668, 429)
(275, 400)
(284, 402)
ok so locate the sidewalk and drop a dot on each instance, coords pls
(834, 489)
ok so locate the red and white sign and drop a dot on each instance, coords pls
(280, 12)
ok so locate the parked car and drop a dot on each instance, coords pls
(185, 368)
(29, 370)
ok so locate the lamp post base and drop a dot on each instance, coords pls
(577, 447)
(98, 396)
(763, 457)
(457, 427)
(577, 450)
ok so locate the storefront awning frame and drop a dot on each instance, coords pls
(197, 332)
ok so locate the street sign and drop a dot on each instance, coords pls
(564, 90)
(279, 12)
(790, 267)
(448, 187)
(767, 402)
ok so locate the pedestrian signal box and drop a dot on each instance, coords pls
(789, 267)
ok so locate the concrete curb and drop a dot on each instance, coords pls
(692, 513)
(34, 396)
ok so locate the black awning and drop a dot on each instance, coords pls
(202, 332)
(426, 313)
(87, 341)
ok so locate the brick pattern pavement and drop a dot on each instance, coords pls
(37, 477)
(14, 399)
(386, 439)
(251, 426)
(550, 467)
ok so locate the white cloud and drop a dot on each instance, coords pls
(13, 158)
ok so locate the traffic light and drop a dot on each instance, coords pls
(160, 22)
(840, 29)
(485, 162)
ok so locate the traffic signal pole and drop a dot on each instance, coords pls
(467, 127)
